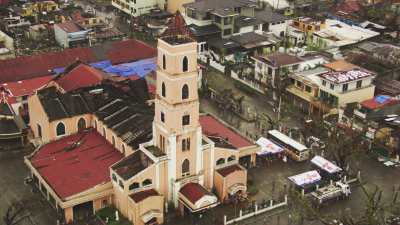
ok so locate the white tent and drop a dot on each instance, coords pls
(268, 147)
(309, 177)
(325, 164)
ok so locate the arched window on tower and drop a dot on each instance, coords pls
(220, 161)
(163, 89)
(185, 91)
(185, 168)
(60, 129)
(81, 124)
(164, 62)
(146, 182)
(185, 64)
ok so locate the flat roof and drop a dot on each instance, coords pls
(212, 127)
(345, 76)
(76, 163)
(229, 169)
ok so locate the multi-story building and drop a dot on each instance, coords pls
(137, 8)
(69, 34)
(234, 17)
(115, 153)
(326, 90)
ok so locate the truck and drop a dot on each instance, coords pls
(333, 191)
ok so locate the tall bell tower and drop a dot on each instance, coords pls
(176, 128)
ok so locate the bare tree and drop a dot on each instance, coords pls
(15, 213)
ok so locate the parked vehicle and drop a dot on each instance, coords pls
(334, 191)
(295, 150)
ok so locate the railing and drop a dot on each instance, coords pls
(257, 211)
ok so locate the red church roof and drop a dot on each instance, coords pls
(142, 195)
(80, 76)
(229, 169)
(26, 87)
(213, 127)
(70, 171)
(130, 50)
(193, 192)
(26, 67)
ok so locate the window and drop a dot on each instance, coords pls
(185, 92)
(123, 149)
(114, 177)
(231, 158)
(185, 120)
(104, 132)
(185, 168)
(81, 124)
(299, 84)
(134, 186)
(121, 184)
(113, 141)
(186, 144)
(220, 161)
(308, 89)
(164, 62)
(163, 89)
(269, 71)
(359, 84)
(185, 64)
(95, 124)
(345, 87)
(324, 82)
(60, 129)
(227, 32)
(162, 117)
(217, 19)
(332, 86)
(146, 182)
(162, 143)
(104, 203)
(39, 130)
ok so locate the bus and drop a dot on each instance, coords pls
(295, 150)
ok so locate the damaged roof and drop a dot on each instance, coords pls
(132, 165)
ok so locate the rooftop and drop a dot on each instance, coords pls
(341, 65)
(346, 76)
(70, 27)
(142, 195)
(219, 6)
(132, 165)
(79, 76)
(75, 163)
(214, 128)
(177, 39)
(279, 59)
(229, 170)
(26, 87)
(194, 192)
(379, 102)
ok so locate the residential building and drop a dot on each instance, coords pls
(269, 68)
(387, 87)
(13, 131)
(322, 90)
(70, 34)
(338, 34)
(234, 17)
(340, 88)
(130, 159)
(137, 8)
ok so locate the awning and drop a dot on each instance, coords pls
(268, 147)
(309, 177)
(325, 164)
(237, 187)
(149, 215)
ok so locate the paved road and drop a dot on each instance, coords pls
(12, 189)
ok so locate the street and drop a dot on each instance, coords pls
(37, 210)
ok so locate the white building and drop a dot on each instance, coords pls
(338, 34)
(69, 34)
(137, 8)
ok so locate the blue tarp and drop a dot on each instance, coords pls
(140, 68)
(381, 98)
(102, 64)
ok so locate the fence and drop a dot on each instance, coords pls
(256, 211)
